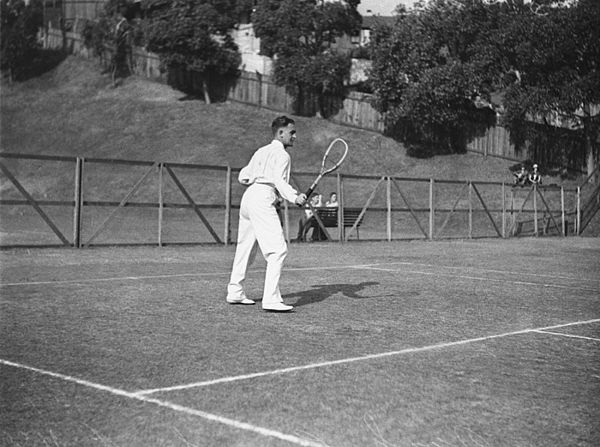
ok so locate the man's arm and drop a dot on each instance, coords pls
(281, 172)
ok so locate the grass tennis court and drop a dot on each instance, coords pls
(461, 343)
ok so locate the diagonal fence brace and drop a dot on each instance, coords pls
(123, 202)
(34, 204)
(487, 211)
(364, 210)
(410, 208)
(193, 204)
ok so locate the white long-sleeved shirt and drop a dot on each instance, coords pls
(270, 165)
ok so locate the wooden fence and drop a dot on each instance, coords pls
(159, 203)
(355, 110)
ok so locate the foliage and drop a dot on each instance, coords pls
(20, 24)
(99, 34)
(558, 60)
(300, 35)
(426, 80)
(192, 35)
(440, 63)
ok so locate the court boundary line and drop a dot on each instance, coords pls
(290, 369)
(373, 266)
(567, 335)
(481, 278)
(170, 405)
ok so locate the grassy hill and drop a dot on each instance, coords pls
(73, 110)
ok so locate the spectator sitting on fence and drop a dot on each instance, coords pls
(332, 202)
(535, 178)
(121, 60)
(521, 177)
(308, 221)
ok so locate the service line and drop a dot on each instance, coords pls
(353, 359)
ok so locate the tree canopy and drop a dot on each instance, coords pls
(441, 62)
(193, 35)
(20, 23)
(300, 35)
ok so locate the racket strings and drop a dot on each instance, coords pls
(334, 156)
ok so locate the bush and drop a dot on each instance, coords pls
(20, 24)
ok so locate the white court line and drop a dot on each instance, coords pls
(166, 404)
(175, 275)
(352, 359)
(482, 278)
(296, 269)
(568, 335)
(505, 272)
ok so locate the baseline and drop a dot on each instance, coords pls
(354, 359)
(173, 406)
(374, 266)
(483, 278)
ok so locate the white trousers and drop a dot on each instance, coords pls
(259, 223)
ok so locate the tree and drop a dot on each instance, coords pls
(426, 80)
(20, 24)
(193, 35)
(300, 35)
(440, 63)
(558, 60)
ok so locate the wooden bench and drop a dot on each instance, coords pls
(329, 217)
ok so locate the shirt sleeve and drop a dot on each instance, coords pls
(281, 175)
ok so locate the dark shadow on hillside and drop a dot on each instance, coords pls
(321, 292)
(42, 61)
(192, 84)
(432, 140)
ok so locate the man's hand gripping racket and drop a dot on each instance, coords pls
(332, 160)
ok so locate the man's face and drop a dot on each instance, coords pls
(287, 135)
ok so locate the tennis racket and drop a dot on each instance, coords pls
(333, 159)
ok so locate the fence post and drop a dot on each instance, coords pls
(227, 230)
(512, 209)
(160, 203)
(535, 213)
(562, 210)
(578, 210)
(77, 211)
(431, 209)
(470, 210)
(503, 210)
(389, 208)
(341, 232)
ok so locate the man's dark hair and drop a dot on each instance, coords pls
(279, 122)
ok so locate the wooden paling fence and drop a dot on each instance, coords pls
(354, 110)
(115, 202)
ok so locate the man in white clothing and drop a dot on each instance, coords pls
(267, 177)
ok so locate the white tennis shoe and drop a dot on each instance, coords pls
(276, 307)
(240, 300)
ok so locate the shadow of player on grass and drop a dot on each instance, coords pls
(321, 292)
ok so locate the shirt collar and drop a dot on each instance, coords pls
(278, 144)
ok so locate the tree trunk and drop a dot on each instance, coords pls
(205, 91)
(589, 150)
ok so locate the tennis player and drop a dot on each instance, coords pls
(267, 177)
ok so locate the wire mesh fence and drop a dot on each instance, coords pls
(79, 202)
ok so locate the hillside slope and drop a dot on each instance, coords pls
(73, 110)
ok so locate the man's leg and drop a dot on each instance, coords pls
(244, 254)
(271, 241)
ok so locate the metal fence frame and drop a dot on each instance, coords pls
(547, 217)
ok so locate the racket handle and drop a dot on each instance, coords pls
(308, 193)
